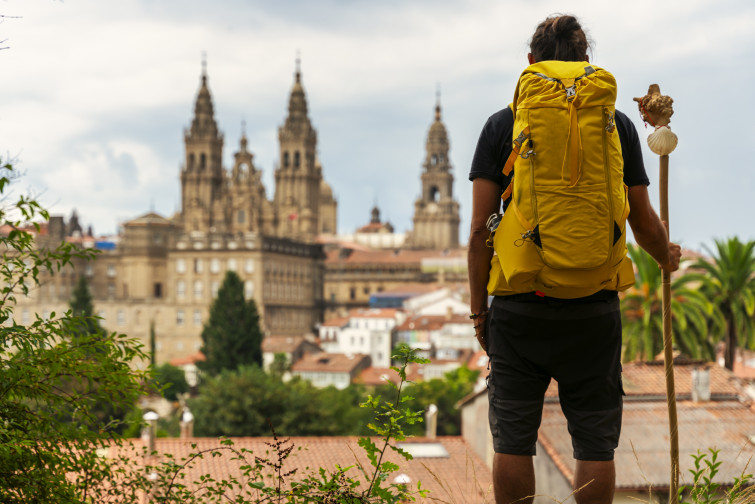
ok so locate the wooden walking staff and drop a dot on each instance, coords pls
(656, 109)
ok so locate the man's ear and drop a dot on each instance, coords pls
(531, 59)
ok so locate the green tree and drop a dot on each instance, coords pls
(231, 337)
(48, 377)
(172, 380)
(81, 305)
(247, 401)
(731, 288)
(445, 394)
(696, 323)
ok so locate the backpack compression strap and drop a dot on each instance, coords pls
(516, 148)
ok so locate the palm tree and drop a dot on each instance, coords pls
(731, 288)
(697, 325)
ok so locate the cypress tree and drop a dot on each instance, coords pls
(231, 337)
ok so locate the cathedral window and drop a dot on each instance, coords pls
(285, 159)
(158, 290)
(297, 159)
(202, 161)
(434, 159)
(241, 217)
(434, 194)
(191, 161)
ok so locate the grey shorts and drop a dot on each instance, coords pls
(578, 344)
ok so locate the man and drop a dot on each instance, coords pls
(532, 338)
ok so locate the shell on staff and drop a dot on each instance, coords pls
(655, 108)
(662, 141)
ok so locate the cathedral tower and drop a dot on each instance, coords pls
(298, 176)
(202, 175)
(436, 213)
(248, 203)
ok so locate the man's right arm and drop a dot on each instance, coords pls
(649, 232)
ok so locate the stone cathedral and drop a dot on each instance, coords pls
(160, 274)
(215, 200)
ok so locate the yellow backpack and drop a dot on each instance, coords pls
(563, 233)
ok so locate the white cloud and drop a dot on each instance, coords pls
(95, 95)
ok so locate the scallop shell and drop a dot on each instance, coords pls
(662, 141)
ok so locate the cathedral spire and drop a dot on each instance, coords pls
(297, 104)
(203, 124)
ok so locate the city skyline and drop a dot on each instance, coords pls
(98, 96)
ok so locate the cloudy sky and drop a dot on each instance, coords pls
(94, 95)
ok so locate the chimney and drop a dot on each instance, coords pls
(701, 384)
(149, 431)
(431, 422)
(187, 424)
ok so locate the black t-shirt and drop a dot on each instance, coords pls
(494, 147)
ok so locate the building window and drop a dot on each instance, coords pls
(111, 270)
(25, 317)
(202, 161)
(285, 159)
(214, 289)
(121, 318)
(179, 317)
(248, 289)
(89, 270)
(231, 264)
(297, 159)
(158, 290)
(249, 266)
(111, 290)
(366, 290)
(180, 289)
(198, 266)
(197, 318)
(241, 216)
(215, 266)
(352, 293)
(180, 266)
(198, 289)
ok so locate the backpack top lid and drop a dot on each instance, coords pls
(563, 83)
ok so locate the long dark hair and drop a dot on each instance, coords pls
(559, 38)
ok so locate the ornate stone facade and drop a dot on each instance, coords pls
(436, 212)
(160, 275)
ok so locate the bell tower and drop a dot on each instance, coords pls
(298, 175)
(202, 174)
(436, 213)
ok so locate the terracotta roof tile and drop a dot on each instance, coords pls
(374, 313)
(459, 477)
(189, 359)
(329, 362)
(644, 444)
(282, 344)
(398, 256)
